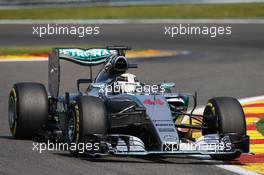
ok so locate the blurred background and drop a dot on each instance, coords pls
(12, 3)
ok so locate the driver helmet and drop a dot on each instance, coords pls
(127, 83)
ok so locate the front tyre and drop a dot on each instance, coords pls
(86, 117)
(224, 115)
(27, 110)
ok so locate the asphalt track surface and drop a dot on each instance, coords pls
(223, 66)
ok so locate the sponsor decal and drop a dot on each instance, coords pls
(86, 55)
(153, 102)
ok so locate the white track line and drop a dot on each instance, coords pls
(224, 165)
(251, 99)
(134, 21)
(237, 169)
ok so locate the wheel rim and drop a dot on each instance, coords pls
(71, 126)
(209, 115)
(11, 112)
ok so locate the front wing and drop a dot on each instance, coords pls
(206, 145)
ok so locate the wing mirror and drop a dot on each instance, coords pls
(83, 81)
(168, 85)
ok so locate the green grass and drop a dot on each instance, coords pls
(13, 50)
(260, 126)
(252, 10)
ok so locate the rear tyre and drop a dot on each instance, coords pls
(85, 117)
(27, 110)
(224, 115)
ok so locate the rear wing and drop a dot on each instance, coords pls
(84, 57)
(89, 57)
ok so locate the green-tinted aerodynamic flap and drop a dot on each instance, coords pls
(83, 56)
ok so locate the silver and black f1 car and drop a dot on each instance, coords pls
(123, 116)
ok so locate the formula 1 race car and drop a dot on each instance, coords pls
(121, 114)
